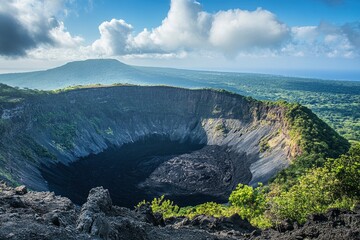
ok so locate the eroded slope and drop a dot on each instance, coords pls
(45, 128)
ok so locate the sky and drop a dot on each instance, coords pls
(311, 38)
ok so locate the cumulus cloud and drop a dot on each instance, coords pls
(188, 28)
(352, 32)
(185, 27)
(28, 24)
(325, 40)
(115, 37)
(236, 30)
(33, 28)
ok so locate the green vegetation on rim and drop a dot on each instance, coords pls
(335, 185)
(316, 140)
(314, 182)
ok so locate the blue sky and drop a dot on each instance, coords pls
(306, 37)
(142, 15)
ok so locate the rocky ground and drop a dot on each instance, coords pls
(335, 224)
(200, 172)
(42, 215)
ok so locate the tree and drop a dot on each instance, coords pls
(249, 202)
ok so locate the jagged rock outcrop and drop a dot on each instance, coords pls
(92, 218)
(44, 216)
(36, 215)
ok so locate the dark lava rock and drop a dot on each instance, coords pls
(36, 215)
(16, 202)
(284, 226)
(44, 216)
(237, 223)
(233, 226)
(92, 219)
(21, 190)
(335, 224)
(199, 172)
(154, 218)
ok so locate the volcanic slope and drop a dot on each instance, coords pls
(216, 139)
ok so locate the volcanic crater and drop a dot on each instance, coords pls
(143, 142)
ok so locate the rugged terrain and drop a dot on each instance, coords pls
(42, 215)
(49, 128)
(248, 141)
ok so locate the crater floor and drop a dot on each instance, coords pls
(150, 167)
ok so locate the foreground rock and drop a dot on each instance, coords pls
(42, 215)
(335, 224)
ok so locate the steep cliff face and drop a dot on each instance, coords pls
(248, 141)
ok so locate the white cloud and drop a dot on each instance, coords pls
(33, 28)
(29, 24)
(115, 36)
(305, 34)
(324, 40)
(188, 28)
(185, 27)
(238, 30)
(63, 38)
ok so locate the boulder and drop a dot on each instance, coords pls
(92, 219)
(21, 190)
(155, 219)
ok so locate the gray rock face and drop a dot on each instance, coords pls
(154, 218)
(62, 127)
(42, 215)
(92, 218)
(21, 190)
(36, 215)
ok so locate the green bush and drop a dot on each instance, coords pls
(164, 206)
(208, 208)
(336, 185)
(346, 169)
(161, 205)
(250, 203)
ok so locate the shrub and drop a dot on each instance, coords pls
(334, 186)
(208, 208)
(164, 206)
(250, 203)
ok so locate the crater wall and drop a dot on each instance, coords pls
(62, 127)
